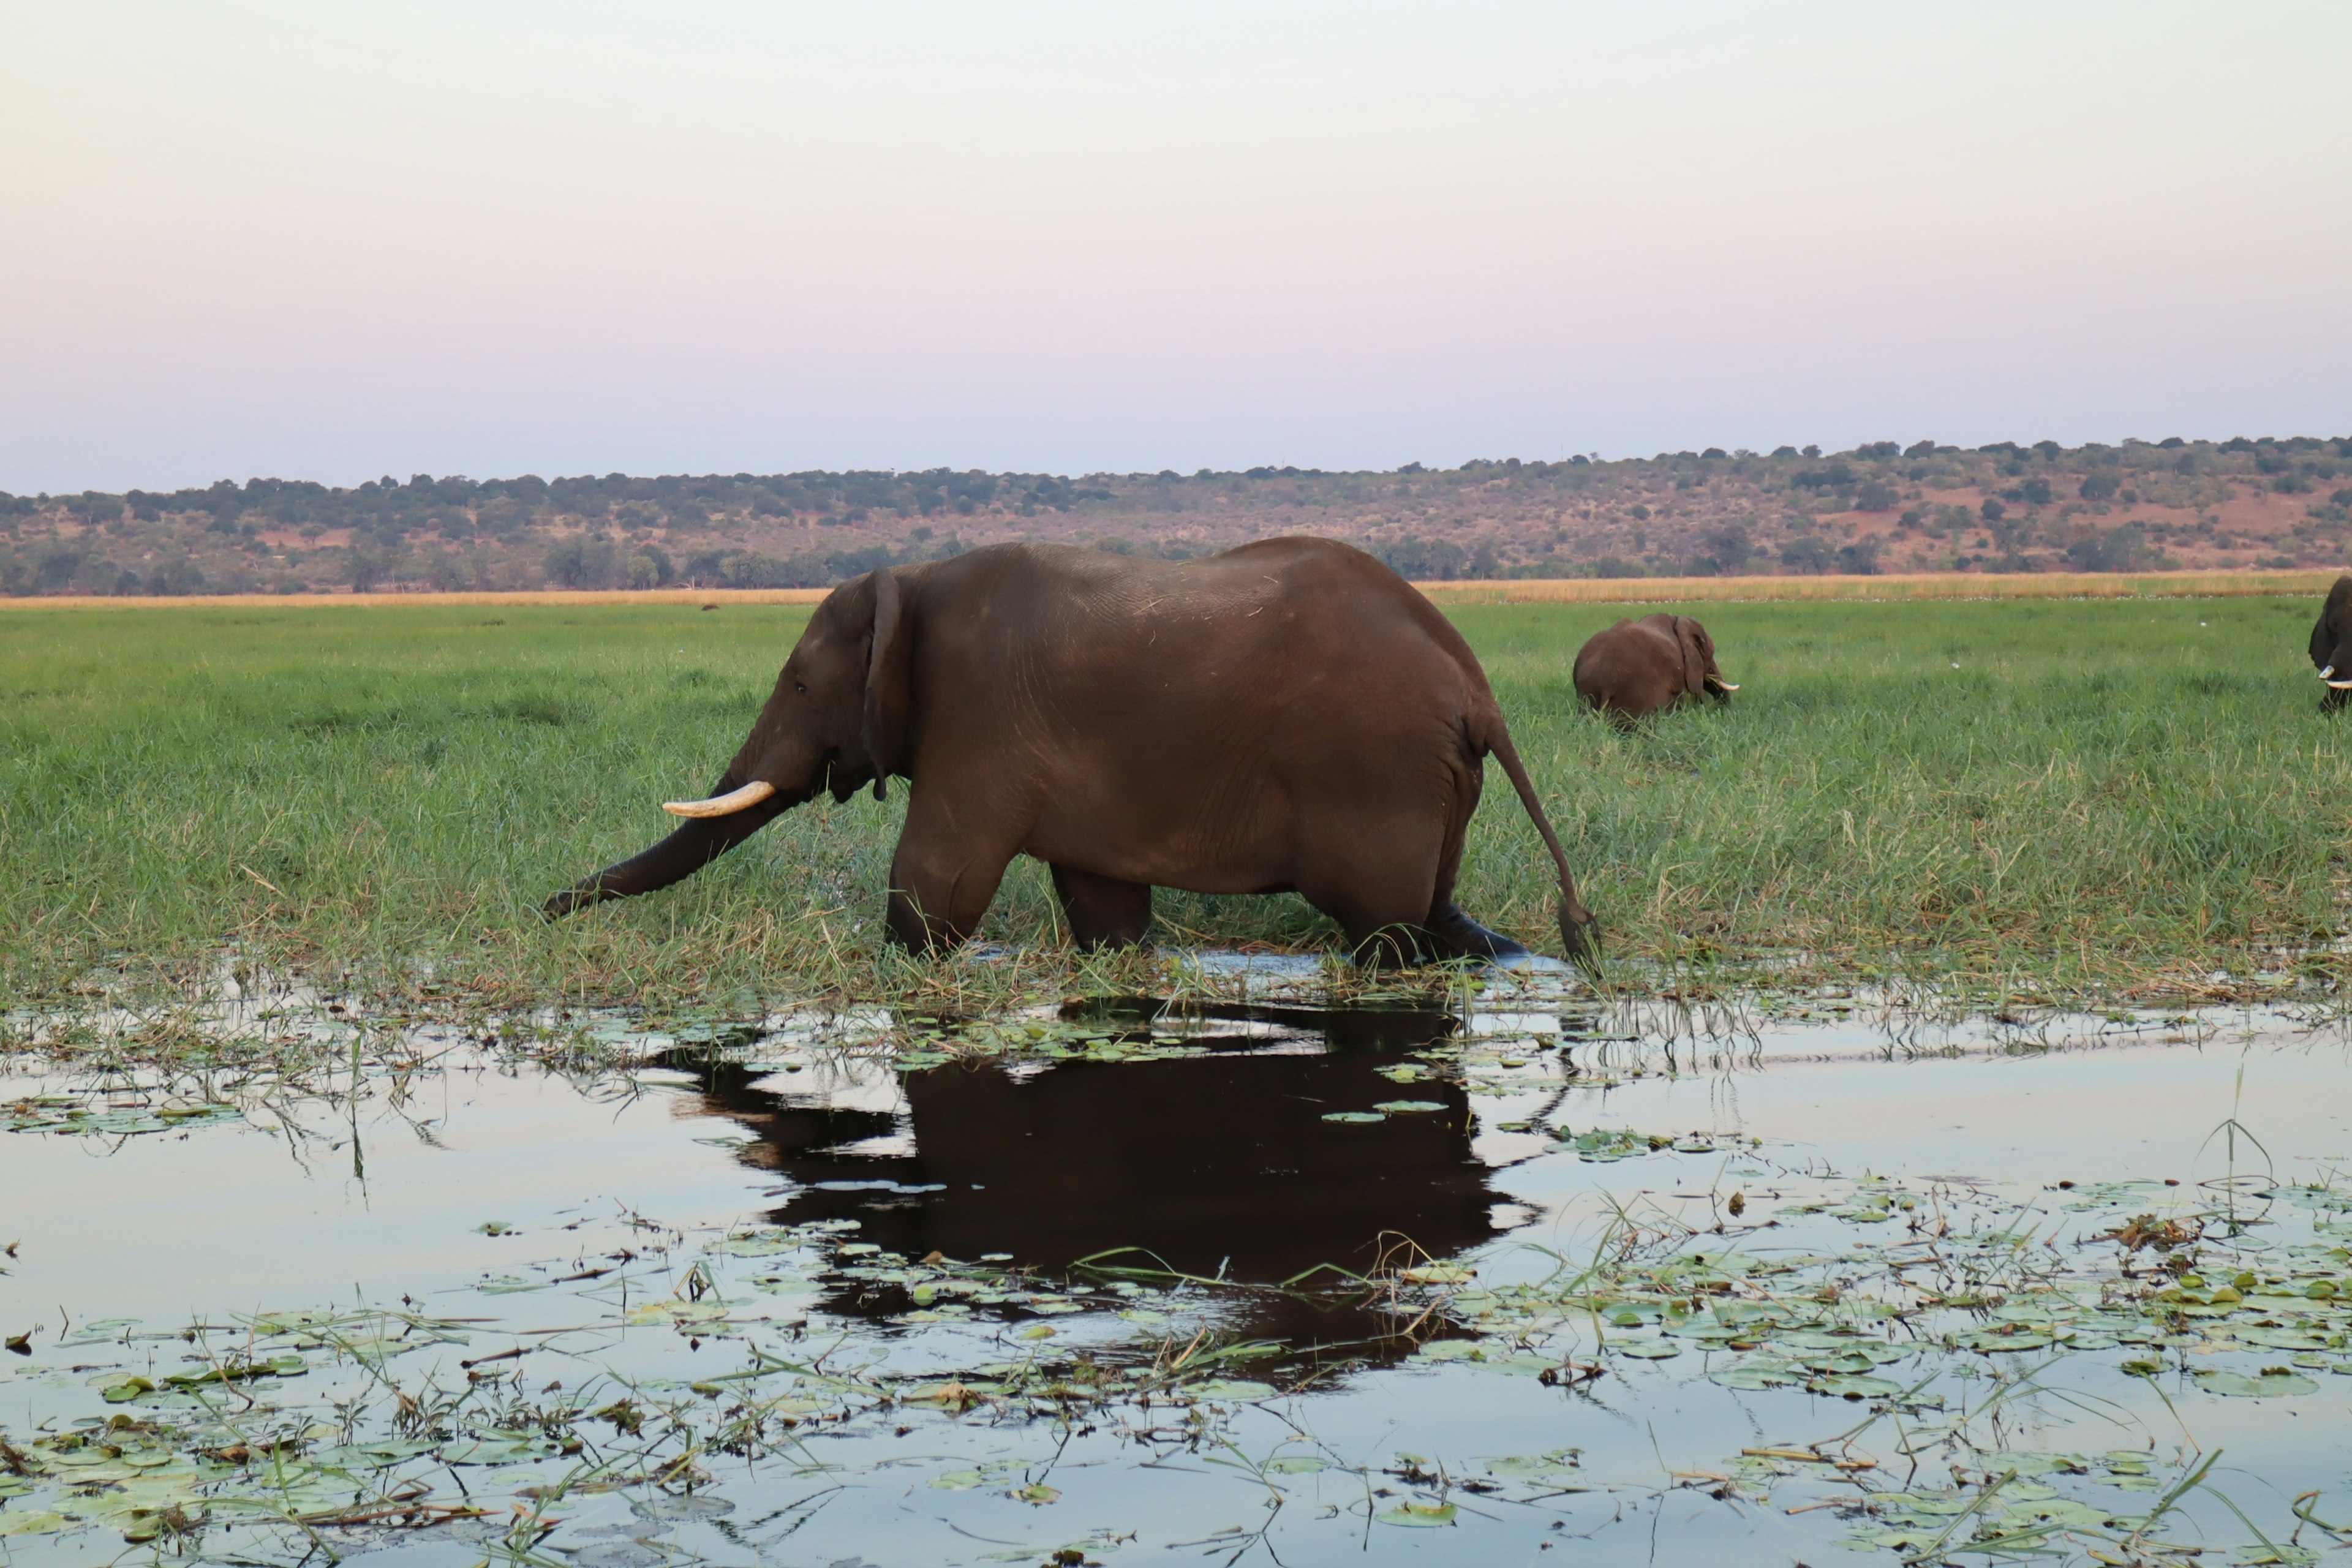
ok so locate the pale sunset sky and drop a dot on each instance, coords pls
(331, 241)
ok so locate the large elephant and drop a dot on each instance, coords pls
(2331, 646)
(1635, 669)
(1289, 716)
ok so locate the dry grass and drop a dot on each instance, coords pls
(1911, 586)
(1569, 590)
(708, 596)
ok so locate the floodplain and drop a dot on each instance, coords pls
(1947, 1165)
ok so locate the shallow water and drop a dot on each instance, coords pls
(1259, 1281)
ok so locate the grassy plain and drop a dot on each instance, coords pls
(2038, 797)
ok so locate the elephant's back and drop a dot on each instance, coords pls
(1305, 609)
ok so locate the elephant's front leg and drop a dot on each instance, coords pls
(1102, 910)
(942, 878)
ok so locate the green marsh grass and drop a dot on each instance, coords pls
(2041, 797)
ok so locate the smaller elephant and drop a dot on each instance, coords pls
(1636, 669)
(2331, 646)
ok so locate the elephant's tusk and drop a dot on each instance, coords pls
(726, 804)
(2340, 686)
(1727, 686)
(2328, 671)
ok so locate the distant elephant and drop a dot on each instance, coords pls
(2331, 646)
(1638, 668)
(1288, 716)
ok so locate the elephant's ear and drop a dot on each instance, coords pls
(2327, 632)
(887, 680)
(1693, 656)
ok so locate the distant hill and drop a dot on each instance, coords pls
(1884, 507)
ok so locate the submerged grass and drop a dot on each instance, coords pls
(2038, 797)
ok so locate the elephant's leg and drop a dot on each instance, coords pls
(942, 878)
(1446, 932)
(1103, 912)
(1375, 878)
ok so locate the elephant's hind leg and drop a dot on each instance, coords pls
(1446, 931)
(1103, 911)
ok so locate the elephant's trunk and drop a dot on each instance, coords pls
(705, 836)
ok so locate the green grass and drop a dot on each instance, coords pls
(2103, 796)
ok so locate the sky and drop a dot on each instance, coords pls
(254, 238)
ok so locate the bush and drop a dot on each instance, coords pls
(1726, 549)
(1416, 559)
(584, 562)
(1860, 558)
(1992, 510)
(2121, 549)
(1875, 495)
(1811, 556)
(2099, 486)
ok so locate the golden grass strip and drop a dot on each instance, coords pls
(1569, 590)
(393, 600)
(1913, 585)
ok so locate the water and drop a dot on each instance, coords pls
(1262, 1283)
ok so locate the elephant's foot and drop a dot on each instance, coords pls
(917, 931)
(1102, 910)
(1450, 933)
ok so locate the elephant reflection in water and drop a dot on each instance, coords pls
(1219, 1165)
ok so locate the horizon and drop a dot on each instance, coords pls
(1811, 451)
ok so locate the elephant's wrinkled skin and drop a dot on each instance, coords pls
(1639, 667)
(1289, 716)
(2331, 646)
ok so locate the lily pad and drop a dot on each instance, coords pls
(2265, 1385)
(1423, 1515)
(32, 1522)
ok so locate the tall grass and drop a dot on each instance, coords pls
(2053, 796)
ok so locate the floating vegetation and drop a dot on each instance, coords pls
(1119, 1275)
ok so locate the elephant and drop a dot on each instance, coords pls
(2331, 646)
(1636, 669)
(1288, 716)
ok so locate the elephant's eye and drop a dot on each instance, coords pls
(801, 686)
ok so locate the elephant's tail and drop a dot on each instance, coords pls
(1578, 929)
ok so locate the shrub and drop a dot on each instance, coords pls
(2121, 549)
(1811, 556)
(1424, 560)
(1860, 558)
